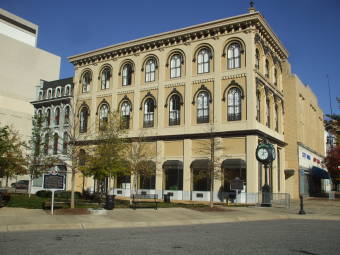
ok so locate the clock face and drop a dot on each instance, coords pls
(262, 154)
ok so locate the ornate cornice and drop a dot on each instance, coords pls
(184, 36)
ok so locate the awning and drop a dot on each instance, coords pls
(200, 164)
(233, 163)
(319, 173)
(173, 164)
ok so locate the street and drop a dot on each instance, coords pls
(259, 237)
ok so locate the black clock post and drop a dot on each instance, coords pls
(265, 154)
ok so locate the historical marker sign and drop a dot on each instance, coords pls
(236, 184)
(53, 181)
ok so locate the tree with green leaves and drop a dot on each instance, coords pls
(332, 160)
(12, 153)
(107, 159)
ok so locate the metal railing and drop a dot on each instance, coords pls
(276, 199)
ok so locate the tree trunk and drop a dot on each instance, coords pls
(73, 187)
(6, 181)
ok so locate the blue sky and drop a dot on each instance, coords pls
(309, 29)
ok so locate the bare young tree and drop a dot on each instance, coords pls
(39, 145)
(211, 148)
(139, 161)
(75, 142)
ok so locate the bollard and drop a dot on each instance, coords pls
(301, 206)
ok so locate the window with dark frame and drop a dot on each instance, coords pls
(276, 119)
(258, 106)
(175, 66)
(127, 74)
(149, 108)
(257, 59)
(48, 117)
(234, 104)
(203, 61)
(203, 107)
(86, 79)
(105, 78)
(65, 142)
(234, 56)
(174, 110)
(268, 113)
(55, 143)
(103, 116)
(67, 115)
(267, 68)
(150, 70)
(125, 114)
(83, 120)
(57, 116)
(46, 144)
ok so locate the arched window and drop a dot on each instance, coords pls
(268, 113)
(257, 59)
(105, 78)
(175, 66)
(67, 90)
(57, 116)
(58, 92)
(85, 81)
(103, 116)
(203, 65)
(48, 117)
(41, 95)
(55, 143)
(275, 77)
(149, 110)
(65, 142)
(234, 56)
(67, 115)
(174, 110)
(150, 70)
(46, 143)
(83, 119)
(125, 114)
(127, 74)
(49, 93)
(276, 118)
(203, 107)
(234, 104)
(267, 68)
(258, 106)
(39, 113)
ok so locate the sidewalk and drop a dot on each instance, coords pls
(19, 219)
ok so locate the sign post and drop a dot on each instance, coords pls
(53, 182)
(237, 185)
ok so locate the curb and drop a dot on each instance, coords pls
(89, 226)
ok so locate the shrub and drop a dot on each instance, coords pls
(44, 193)
(67, 194)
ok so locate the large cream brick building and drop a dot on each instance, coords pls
(221, 79)
(22, 67)
(304, 135)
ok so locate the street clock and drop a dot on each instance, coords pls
(265, 153)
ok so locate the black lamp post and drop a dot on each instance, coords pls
(265, 154)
